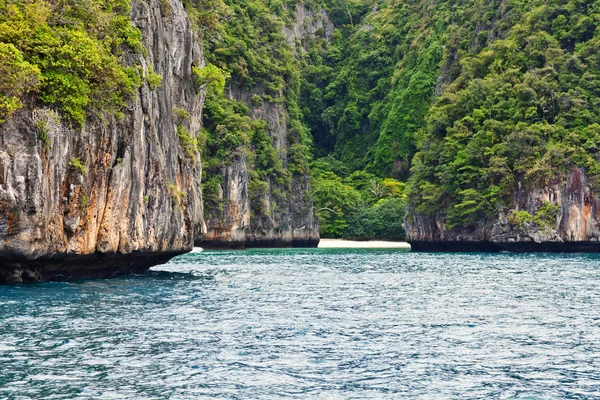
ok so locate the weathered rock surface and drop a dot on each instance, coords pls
(575, 229)
(227, 229)
(288, 220)
(117, 196)
(307, 23)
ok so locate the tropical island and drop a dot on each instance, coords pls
(130, 131)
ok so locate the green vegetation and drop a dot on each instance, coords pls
(463, 100)
(45, 121)
(545, 217)
(210, 76)
(364, 95)
(177, 195)
(17, 78)
(335, 201)
(383, 221)
(357, 205)
(367, 91)
(78, 165)
(523, 107)
(42, 127)
(248, 56)
(153, 80)
(85, 201)
(180, 114)
(188, 143)
(70, 53)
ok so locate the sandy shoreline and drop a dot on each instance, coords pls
(353, 244)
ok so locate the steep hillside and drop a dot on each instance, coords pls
(509, 152)
(256, 179)
(129, 131)
(108, 113)
(487, 109)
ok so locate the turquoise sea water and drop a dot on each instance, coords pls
(311, 324)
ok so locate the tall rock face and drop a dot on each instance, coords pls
(228, 222)
(563, 216)
(280, 215)
(118, 195)
(307, 24)
(277, 210)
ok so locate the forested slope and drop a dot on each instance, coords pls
(483, 108)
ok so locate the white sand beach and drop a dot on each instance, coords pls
(353, 244)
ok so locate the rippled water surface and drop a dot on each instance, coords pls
(331, 324)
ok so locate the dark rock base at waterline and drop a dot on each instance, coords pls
(259, 243)
(494, 247)
(61, 267)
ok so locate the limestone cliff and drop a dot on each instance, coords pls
(561, 216)
(227, 226)
(307, 23)
(118, 195)
(282, 215)
(286, 216)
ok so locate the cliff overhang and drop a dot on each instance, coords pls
(497, 247)
(68, 267)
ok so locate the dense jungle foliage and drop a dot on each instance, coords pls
(522, 106)
(246, 42)
(70, 53)
(462, 100)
